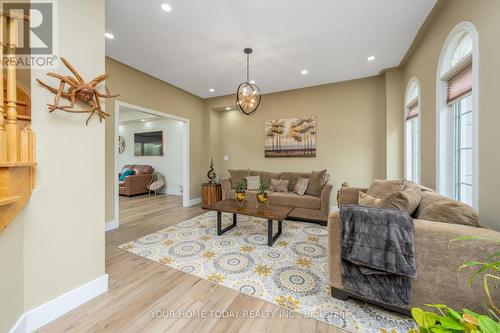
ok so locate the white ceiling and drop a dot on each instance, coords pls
(128, 115)
(199, 45)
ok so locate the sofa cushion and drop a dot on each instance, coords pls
(382, 188)
(292, 177)
(143, 169)
(294, 200)
(253, 182)
(435, 207)
(279, 185)
(407, 199)
(238, 175)
(317, 180)
(265, 177)
(367, 200)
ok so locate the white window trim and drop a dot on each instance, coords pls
(413, 81)
(444, 125)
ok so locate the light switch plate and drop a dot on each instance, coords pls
(226, 158)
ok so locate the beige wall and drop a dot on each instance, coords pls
(394, 95)
(12, 274)
(57, 242)
(351, 131)
(143, 90)
(422, 64)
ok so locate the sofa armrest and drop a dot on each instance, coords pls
(226, 187)
(334, 254)
(438, 279)
(349, 195)
(326, 194)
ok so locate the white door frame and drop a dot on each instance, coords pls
(185, 153)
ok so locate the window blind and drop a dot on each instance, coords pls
(412, 109)
(459, 85)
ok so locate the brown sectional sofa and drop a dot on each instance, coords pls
(307, 208)
(437, 260)
(137, 183)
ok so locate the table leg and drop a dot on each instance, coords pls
(220, 231)
(270, 237)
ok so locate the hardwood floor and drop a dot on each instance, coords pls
(143, 294)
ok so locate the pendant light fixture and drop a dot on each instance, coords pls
(248, 94)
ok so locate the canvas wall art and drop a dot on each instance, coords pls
(293, 137)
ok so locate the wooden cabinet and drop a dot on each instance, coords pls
(210, 193)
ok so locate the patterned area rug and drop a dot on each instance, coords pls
(292, 274)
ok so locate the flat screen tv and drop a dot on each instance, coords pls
(148, 144)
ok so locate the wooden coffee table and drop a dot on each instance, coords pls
(273, 213)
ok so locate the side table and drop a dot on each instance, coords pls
(210, 194)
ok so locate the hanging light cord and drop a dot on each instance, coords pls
(248, 67)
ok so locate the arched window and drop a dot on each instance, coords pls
(412, 131)
(457, 114)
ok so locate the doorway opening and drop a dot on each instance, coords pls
(154, 146)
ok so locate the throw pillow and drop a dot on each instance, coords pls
(301, 186)
(407, 199)
(435, 207)
(382, 188)
(367, 200)
(253, 182)
(128, 172)
(238, 175)
(292, 178)
(279, 185)
(316, 183)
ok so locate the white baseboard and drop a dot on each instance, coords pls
(194, 202)
(173, 192)
(111, 225)
(45, 313)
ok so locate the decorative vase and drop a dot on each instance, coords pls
(240, 197)
(262, 199)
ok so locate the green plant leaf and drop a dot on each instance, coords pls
(418, 316)
(455, 315)
(450, 323)
(423, 318)
(440, 330)
(471, 313)
(460, 238)
(471, 264)
(487, 325)
(486, 267)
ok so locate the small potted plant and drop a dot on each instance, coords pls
(239, 192)
(262, 195)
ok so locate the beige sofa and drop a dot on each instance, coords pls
(437, 260)
(307, 208)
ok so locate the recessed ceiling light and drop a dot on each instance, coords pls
(143, 119)
(304, 71)
(109, 35)
(228, 108)
(211, 89)
(370, 58)
(166, 7)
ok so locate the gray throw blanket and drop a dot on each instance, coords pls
(378, 253)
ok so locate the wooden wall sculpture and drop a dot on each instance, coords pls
(85, 92)
(17, 140)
